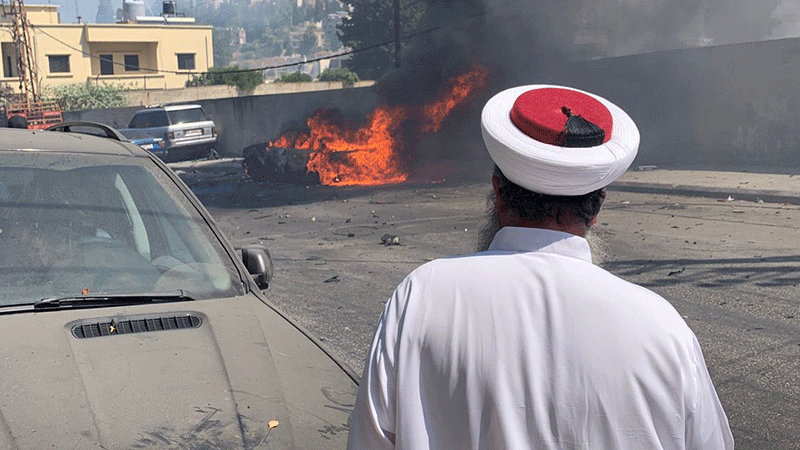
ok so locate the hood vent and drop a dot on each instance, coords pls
(129, 326)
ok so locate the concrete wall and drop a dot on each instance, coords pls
(733, 105)
(193, 94)
(243, 121)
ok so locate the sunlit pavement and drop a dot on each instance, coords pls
(723, 185)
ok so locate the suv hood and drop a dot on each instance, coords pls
(215, 384)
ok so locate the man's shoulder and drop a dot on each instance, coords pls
(571, 274)
(447, 265)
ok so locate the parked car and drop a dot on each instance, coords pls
(186, 131)
(152, 144)
(127, 320)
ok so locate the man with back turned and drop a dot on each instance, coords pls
(527, 344)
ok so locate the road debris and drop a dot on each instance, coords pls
(333, 279)
(675, 272)
(389, 239)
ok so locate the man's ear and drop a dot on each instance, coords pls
(602, 200)
(499, 205)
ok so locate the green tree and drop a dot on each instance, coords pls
(231, 76)
(294, 77)
(89, 95)
(372, 22)
(309, 43)
(345, 75)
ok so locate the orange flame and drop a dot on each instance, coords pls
(369, 155)
(460, 88)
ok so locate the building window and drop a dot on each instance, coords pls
(106, 64)
(58, 63)
(185, 61)
(131, 63)
(8, 68)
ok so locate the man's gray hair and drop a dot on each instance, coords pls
(534, 206)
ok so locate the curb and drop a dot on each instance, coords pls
(753, 195)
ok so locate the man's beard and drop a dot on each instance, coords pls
(491, 225)
(597, 246)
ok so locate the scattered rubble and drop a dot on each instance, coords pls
(389, 239)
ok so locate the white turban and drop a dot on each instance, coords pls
(551, 169)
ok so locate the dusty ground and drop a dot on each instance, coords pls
(340, 252)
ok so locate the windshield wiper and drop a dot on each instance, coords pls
(91, 301)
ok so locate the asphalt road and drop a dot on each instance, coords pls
(730, 268)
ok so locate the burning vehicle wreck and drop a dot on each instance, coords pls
(274, 164)
(336, 151)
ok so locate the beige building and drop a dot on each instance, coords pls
(145, 53)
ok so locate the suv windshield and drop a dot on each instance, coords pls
(149, 119)
(179, 116)
(93, 224)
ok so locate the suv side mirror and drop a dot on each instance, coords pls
(257, 260)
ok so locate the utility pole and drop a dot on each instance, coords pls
(26, 62)
(396, 34)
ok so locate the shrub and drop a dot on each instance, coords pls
(83, 96)
(346, 76)
(294, 77)
(231, 76)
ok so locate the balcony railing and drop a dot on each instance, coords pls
(140, 81)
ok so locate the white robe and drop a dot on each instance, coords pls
(531, 346)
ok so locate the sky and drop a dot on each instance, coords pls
(86, 8)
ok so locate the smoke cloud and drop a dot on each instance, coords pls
(535, 42)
